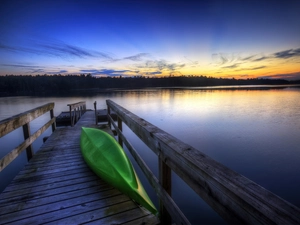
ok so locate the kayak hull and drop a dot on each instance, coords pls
(107, 159)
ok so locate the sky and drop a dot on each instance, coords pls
(240, 39)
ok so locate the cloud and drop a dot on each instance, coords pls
(18, 65)
(288, 76)
(287, 53)
(251, 68)
(161, 65)
(34, 69)
(257, 68)
(152, 73)
(57, 49)
(137, 57)
(107, 72)
(192, 63)
(231, 66)
(260, 59)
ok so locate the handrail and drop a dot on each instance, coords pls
(10, 124)
(178, 216)
(76, 111)
(234, 197)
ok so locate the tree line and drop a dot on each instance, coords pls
(50, 84)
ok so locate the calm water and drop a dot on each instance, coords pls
(254, 132)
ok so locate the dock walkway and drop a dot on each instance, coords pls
(57, 187)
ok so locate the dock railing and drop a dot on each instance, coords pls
(12, 123)
(76, 111)
(234, 197)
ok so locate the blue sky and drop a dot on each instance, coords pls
(242, 39)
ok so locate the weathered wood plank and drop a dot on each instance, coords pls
(31, 213)
(12, 123)
(27, 188)
(8, 199)
(9, 157)
(34, 186)
(132, 216)
(92, 212)
(62, 197)
(236, 198)
(146, 220)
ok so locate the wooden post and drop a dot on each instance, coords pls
(52, 116)
(165, 179)
(96, 116)
(26, 132)
(120, 128)
(71, 116)
(108, 112)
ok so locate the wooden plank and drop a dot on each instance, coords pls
(12, 123)
(9, 157)
(132, 216)
(145, 220)
(36, 188)
(236, 198)
(30, 213)
(93, 212)
(33, 186)
(45, 193)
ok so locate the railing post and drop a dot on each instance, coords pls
(51, 116)
(108, 112)
(165, 179)
(120, 128)
(26, 132)
(71, 116)
(96, 116)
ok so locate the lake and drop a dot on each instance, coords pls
(254, 131)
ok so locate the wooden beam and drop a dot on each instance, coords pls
(120, 128)
(165, 179)
(76, 105)
(236, 198)
(26, 133)
(51, 117)
(9, 157)
(14, 122)
(96, 115)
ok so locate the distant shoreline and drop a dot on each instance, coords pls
(78, 85)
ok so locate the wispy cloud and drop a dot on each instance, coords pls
(58, 48)
(137, 57)
(231, 66)
(287, 76)
(161, 65)
(108, 72)
(35, 69)
(287, 53)
(251, 68)
(232, 61)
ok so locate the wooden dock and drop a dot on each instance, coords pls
(57, 187)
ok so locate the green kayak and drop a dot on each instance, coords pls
(107, 159)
